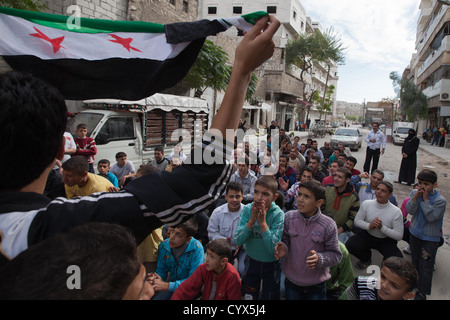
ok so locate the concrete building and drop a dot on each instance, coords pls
(279, 87)
(430, 66)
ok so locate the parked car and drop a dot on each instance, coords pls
(350, 137)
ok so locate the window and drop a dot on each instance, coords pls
(117, 128)
(185, 6)
(172, 2)
(271, 9)
(237, 10)
(212, 10)
(294, 15)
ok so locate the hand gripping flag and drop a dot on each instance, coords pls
(106, 59)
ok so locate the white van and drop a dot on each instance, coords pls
(400, 131)
(137, 127)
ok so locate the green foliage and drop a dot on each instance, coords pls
(211, 70)
(33, 5)
(414, 103)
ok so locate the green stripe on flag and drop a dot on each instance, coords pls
(254, 15)
(87, 25)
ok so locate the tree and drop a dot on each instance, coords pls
(314, 48)
(33, 5)
(413, 102)
(211, 70)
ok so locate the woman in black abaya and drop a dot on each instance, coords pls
(409, 161)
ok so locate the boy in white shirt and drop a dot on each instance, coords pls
(382, 225)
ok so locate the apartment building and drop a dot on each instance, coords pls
(430, 66)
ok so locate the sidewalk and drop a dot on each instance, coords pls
(443, 153)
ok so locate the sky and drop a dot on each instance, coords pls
(379, 37)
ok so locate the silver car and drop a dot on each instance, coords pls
(350, 137)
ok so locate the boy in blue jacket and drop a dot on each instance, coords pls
(259, 229)
(178, 255)
(427, 207)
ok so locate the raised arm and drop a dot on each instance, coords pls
(255, 48)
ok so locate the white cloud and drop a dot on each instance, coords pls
(379, 35)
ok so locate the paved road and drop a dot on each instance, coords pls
(390, 164)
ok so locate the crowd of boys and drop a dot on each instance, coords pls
(295, 236)
(44, 240)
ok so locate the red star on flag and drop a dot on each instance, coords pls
(56, 42)
(125, 42)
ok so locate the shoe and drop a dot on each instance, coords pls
(396, 181)
(407, 249)
(361, 265)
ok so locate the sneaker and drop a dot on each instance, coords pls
(361, 265)
(407, 249)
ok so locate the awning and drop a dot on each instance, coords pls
(303, 102)
(165, 102)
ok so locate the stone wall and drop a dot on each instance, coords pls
(162, 11)
(98, 9)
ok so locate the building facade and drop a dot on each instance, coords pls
(430, 66)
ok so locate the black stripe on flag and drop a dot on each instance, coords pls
(116, 78)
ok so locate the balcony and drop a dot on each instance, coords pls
(424, 36)
(435, 54)
(440, 89)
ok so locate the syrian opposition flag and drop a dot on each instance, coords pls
(127, 60)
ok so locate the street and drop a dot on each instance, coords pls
(390, 165)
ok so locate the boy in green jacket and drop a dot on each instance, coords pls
(260, 228)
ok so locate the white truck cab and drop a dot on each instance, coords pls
(400, 131)
(137, 127)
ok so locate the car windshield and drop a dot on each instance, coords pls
(403, 130)
(346, 132)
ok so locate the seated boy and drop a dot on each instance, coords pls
(224, 220)
(124, 170)
(398, 278)
(259, 230)
(79, 182)
(309, 245)
(216, 279)
(179, 256)
(103, 167)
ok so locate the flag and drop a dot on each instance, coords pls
(98, 58)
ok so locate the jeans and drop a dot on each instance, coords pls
(269, 273)
(423, 256)
(315, 292)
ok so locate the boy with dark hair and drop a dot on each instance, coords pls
(103, 167)
(398, 278)
(159, 160)
(427, 208)
(42, 272)
(350, 164)
(79, 182)
(179, 256)
(381, 225)
(123, 169)
(85, 146)
(259, 230)
(309, 245)
(342, 202)
(216, 279)
(224, 220)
